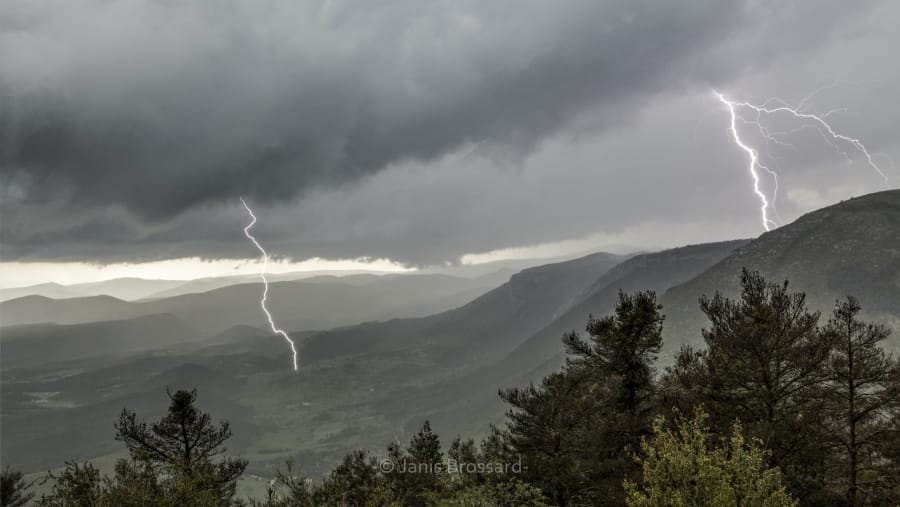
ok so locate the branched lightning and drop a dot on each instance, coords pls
(754, 162)
(262, 275)
(809, 120)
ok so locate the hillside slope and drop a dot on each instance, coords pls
(46, 343)
(850, 248)
(482, 330)
(542, 352)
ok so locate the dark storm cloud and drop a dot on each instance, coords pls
(129, 124)
(249, 117)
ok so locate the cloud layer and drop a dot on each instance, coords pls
(415, 130)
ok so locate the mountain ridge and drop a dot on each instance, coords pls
(296, 304)
(849, 248)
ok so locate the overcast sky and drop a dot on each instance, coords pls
(421, 131)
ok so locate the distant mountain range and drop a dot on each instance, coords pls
(318, 303)
(374, 379)
(134, 289)
(120, 288)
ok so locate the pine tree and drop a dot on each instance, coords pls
(574, 431)
(78, 485)
(542, 430)
(398, 482)
(13, 489)
(184, 444)
(355, 481)
(174, 462)
(622, 348)
(861, 396)
(764, 364)
(414, 476)
(462, 455)
(685, 385)
(137, 483)
(425, 447)
(425, 456)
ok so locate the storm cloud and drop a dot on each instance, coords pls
(128, 129)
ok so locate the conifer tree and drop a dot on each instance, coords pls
(765, 363)
(355, 481)
(425, 456)
(13, 488)
(861, 396)
(574, 431)
(622, 348)
(185, 444)
(414, 476)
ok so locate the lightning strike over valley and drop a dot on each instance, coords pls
(769, 212)
(262, 275)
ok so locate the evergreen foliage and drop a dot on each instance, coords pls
(13, 489)
(860, 394)
(787, 412)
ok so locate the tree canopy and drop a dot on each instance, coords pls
(786, 411)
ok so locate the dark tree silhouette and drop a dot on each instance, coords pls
(415, 474)
(766, 362)
(13, 489)
(356, 481)
(623, 346)
(575, 431)
(860, 395)
(184, 442)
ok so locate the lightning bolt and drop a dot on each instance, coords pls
(807, 119)
(265, 281)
